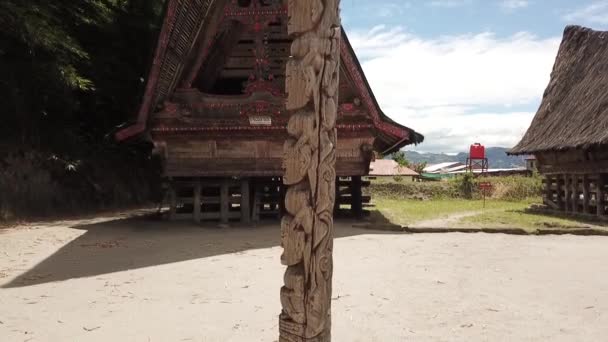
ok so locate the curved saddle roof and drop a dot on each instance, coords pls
(185, 40)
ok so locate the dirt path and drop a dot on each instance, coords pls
(445, 222)
(143, 280)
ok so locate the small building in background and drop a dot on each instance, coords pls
(531, 163)
(452, 169)
(569, 134)
(445, 167)
(390, 168)
(436, 172)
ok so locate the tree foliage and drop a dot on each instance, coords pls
(400, 158)
(70, 72)
(72, 65)
(419, 167)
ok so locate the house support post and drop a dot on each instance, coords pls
(197, 200)
(586, 194)
(245, 201)
(172, 200)
(575, 194)
(599, 196)
(356, 196)
(224, 201)
(309, 170)
(558, 190)
(567, 194)
(548, 195)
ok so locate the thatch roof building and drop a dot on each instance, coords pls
(574, 110)
(569, 134)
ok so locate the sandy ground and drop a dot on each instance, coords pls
(144, 280)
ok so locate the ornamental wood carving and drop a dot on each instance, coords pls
(312, 82)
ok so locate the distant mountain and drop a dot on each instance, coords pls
(497, 158)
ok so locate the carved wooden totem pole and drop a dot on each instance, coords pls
(309, 170)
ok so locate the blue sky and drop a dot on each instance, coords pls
(463, 71)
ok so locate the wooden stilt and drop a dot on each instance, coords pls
(575, 194)
(548, 192)
(558, 190)
(567, 194)
(586, 194)
(245, 201)
(197, 201)
(356, 196)
(172, 201)
(599, 196)
(337, 202)
(224, 202)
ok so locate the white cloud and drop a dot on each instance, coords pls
(450, 130)
(449, 3)
(511, 5)
(594, 13)
(455, 89)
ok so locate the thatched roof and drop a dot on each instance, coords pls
(574, 110)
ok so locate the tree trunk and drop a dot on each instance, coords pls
(309, 170)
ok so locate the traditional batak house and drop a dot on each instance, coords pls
(569, 134)
(214, 107)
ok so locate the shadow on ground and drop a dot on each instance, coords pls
(144, 241)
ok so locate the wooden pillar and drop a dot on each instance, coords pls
(197, 200)
(575, 194)
(172, 200)
(337, 202)
(312, 83)
(245, 201)
(356, 196)
(548, 191)
(558, 190)
(586, 196)
(224, 201)
(567, 193)
(282, 193)
(599, 196)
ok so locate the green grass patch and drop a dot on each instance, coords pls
(407, 212)
(507, 188)
(408, 203)
(519, 218)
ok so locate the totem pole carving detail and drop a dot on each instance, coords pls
(309, 170)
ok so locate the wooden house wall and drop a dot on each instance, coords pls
(249, 157)
(574, 161)
(576, 181)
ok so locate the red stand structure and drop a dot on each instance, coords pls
(477, 163)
